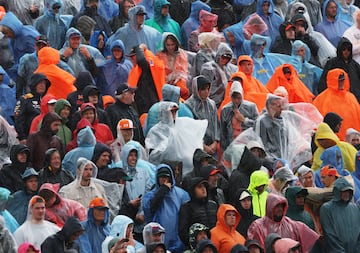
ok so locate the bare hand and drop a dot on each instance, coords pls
(140, 218)
(168, 184)
(238, 115)
(135, 202)
(85, 52)
(68, 51)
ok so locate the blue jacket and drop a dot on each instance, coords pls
(356, 176)
(24, 41)
(240, 48)
(167, 210)
(7, 99)
(18, 205)
(94, 235)
(112, 74)
(332, 30)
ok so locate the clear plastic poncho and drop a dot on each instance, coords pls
(7, 140)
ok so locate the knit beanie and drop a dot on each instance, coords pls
(85, 25)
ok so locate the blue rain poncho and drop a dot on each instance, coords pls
(106, 8)
(111, 73)
(131, 35)
(347, 11)
(7, 98)
(52, 25)
(356, 177)
(149, 7)
(167, 211)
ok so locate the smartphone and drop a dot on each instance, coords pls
(140, 196)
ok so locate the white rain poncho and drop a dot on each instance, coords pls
(7, 140)
(175, 139)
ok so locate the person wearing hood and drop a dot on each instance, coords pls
(170, 93)
(52, 171)
(52, 24)
(205, 108)
(7, 240)
(296, 199)
(344, 60)
(197, 233)
(206, 245)
(219, 71)
(9, 220)
(137, 188)
(259, 182)
(281, 180)
(270, 241)
(96, 227)
(313, 8)
(353, 137)
(176, 63)
(44, 139)
(211, 174)
(136, 32)
(79, 56)
(338, 98)
(276, 221)
(332, 27)
(224, 234)
(285, 75)
(82, 145)
(114, 71)
(76, 98)
(356, 177)
(193, 22)
(47, 105)
(306, 176)
(101, 158)
(7, 97)
(11, 173)
(338, 218)
(163, 203)
(199, 209)
(61, 81)
(162, 21)
(63, 109)
(64, 240)
(287, 245)
(91, 10)
(236, 116)
(18, 203)
(35, 229)
(83, 189)
(283, 42)
(122, 227)
(308, 73)
(326, 138)
(123, 17)
(351, 34)
(28, 106)
(58, 209)
(25, 247)
(242, 201)
(153, 233)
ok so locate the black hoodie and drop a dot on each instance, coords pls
(98, 150)
(351, 67)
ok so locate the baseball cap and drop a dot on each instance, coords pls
(52, 101)
(86, 106)
(285, 174)
(28, 173)
(124, 87)
(132, 52)
(36, 199)
(244, 195)
(126, 124)
(42, 39)
(74, 34)
(329, 170)
(289, 26)
(157, 230)
(141, 11)
(214, 172)
(99, 203)
(163, 172)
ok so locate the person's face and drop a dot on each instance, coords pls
(99, 214)
(341, 84)
(337, 129)
(65, 112)
(89, 115)
(55, 126)
(103, 160)
(300, 200)
(258, 152)
(301, 52)
(128, 97)
(300, 27)
(346, 52)
(212, 180)
(32, 184)
(290, 34)
(201, 235)
(93, 99)
(231, 38)
(74, 42)
(246, 67)
(200, 191)
(165, 10)
(207, 24)
(327, 181)
(260, 189)
(127, 5)
(40, 88)
(163, 180)
(132, 158)
(204, 93)
(326, 143)
(254, 249)
(121, 248)
(75, 236)
(355, 139)
(266, 7)
(38, 211)
(51, 107)
(208, 249)
(21, 157)
(56, 9)
(117, 53)
(39, 45)
(129, 230)
(170, 46)
(276, 107)
(8, 33)
(156, 237)
(140, 19)
(346, 195)
(331, 10)
(278, 212)
(246, 203)
(158, 249)
(30, 250)
(230, 218)
(87, 173)
(236, 99)
(127, 134)
(308, 179)
(50, 198)
(55, 161)
(224, 60)
(358, 20)
(101, 41)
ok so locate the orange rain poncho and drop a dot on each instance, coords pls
(298, 92)
(342, 102)
(62, 82)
